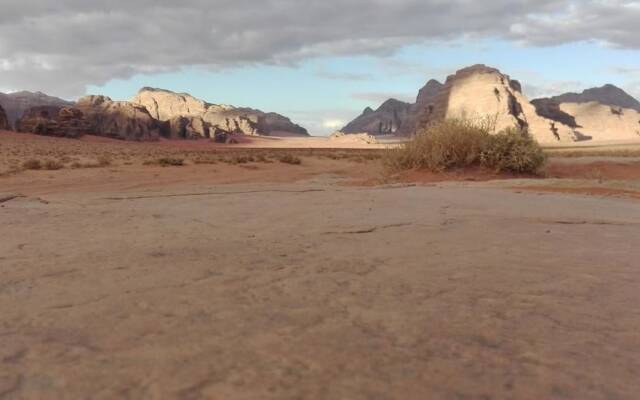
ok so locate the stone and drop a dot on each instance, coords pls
(118, 119)
(166, 105)
(55, 121)
(15, 104)
(388, 119)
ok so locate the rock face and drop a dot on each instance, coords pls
(606, 113)
(4, 121)
(118, 119)
(601, 122)
(15, 104)
(483, 94)
(164, 104)
(53, 121)
(386, 120)
(394, 117)
(188, 116)
(608, 95)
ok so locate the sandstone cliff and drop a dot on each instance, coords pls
(608, 95)
(53, 121)
(202, 117)
(394, 117)
(483, 94)
(15, 104)
(118, 119)
(388, 119)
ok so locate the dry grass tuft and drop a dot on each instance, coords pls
(456, 144)
(290, 159)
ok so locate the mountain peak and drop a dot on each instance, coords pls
(608, 94)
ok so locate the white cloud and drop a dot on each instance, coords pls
(63, 48)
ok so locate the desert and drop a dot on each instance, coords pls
(320, 200)
(237, 273)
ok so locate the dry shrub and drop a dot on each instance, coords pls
(32, 164)
(290, 159)
(455, 144)
(513, 151)
(166, 162)
(446, 145)
(52, 165)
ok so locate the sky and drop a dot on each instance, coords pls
(318, 62)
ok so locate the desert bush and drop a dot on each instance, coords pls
(461, 143)
(104, 161)
(170, 162)
(513, 151)
(442, 146)
(32, 164)
(52, 165)
(166, 162)
(290, 159)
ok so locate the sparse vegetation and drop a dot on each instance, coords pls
(52, 165)
(32, 164)
(512, 151)
(166, 162)
(450, 144)
(290, 159)
(457, 144)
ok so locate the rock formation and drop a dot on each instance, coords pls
(608, 95)
(164, 104)
(601, 122)
(202, 117)
(606, 113)
(53, 121)
(394, 116)
(15, 104)
(4, 121)
(388, 119)
(118, 119)
(483, 94)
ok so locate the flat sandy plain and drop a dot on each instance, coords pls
(227, 278)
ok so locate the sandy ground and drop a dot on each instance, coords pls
(278, 281)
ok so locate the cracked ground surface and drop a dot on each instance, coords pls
(317, 291)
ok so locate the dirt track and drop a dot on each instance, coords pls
(317, 291)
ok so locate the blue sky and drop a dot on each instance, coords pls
(324, 93)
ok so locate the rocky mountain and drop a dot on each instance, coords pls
(118, 119)
(188, 116)
(53, 121)
(608, 95)
(486, 95)
(387, 119)
(602, 114)
(15, 104)
(4, 121)
(394, 116)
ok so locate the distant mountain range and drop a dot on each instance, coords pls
(481, 92)
(15, 104)
(150, 115)
(478, 92)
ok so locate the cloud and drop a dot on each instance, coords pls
(63, 48)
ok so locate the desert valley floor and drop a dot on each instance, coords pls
(241, 275)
